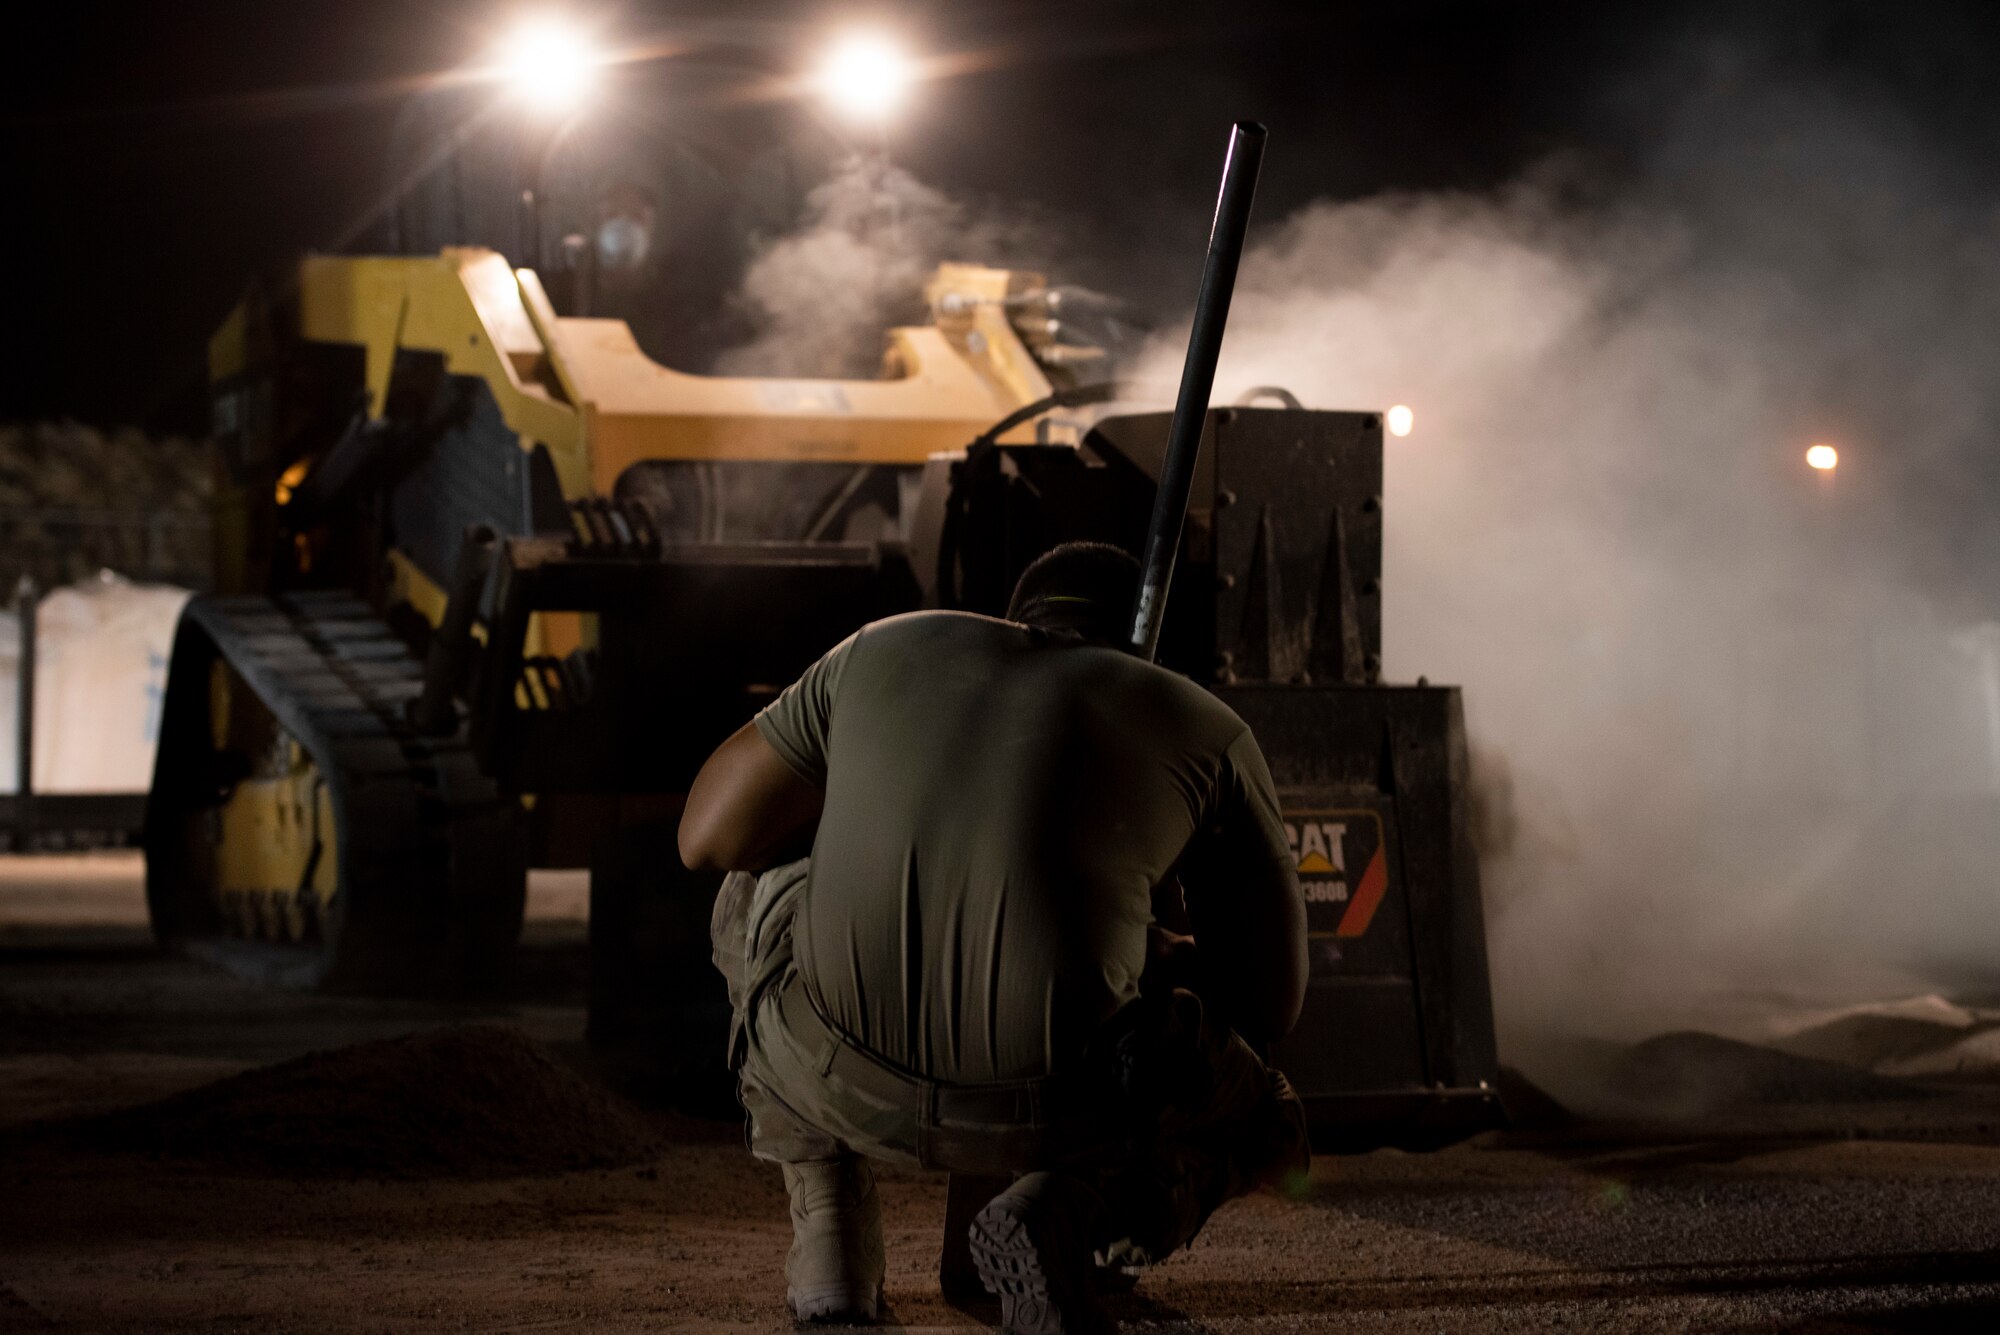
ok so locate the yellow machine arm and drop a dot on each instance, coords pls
(583, 388)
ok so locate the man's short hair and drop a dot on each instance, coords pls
(1085, 587)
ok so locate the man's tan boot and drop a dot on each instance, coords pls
(834, 1271)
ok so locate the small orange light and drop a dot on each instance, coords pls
(289, 482)
(1401, 421)
(1823, 457)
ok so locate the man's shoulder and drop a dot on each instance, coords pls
(940, 624)
(907, 642)
(1112, 669)
(1167, 701)
(1192, 700)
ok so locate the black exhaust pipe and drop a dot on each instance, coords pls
(1211, 313)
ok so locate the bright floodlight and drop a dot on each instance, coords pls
(549, 64)
(1823, 457)
(1401, 420)
(866, 77)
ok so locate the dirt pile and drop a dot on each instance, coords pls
(1974, 1058)
(473, 1101)
(1871, 1041)
(1692, 1074)
(1528, 1106)
(1913, 1036)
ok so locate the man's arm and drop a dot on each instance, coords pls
(764, 787)
(746, 806)
(1244, 903)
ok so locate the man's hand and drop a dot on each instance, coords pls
(747, 807)
(1171, 961)
(1244, 904)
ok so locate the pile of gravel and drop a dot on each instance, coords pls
(1911, 1036)
(474, 1101)
(1692, 1074)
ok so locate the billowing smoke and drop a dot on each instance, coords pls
(819, 296)
(1738, 723)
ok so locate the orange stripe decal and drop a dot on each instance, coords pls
(1367, 898)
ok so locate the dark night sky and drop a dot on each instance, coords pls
(161, 153)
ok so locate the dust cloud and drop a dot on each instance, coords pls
(818, 297)
(1737, 723)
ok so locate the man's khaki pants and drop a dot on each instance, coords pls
(1188, 1116)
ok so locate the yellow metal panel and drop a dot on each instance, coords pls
(556, 633)
(541, 314)
(229, 346)
(270, 830)
(408, 584)
(464, 304)
(496, 294)
(571, 456)
(1009, 359)
(969, 303)
(638, 409)
(585, 389)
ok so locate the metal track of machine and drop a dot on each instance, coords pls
(301, 831)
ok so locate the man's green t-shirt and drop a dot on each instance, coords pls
(1000, 804)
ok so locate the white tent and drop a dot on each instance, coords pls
(100, 675)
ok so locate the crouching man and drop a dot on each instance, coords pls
(953, 977)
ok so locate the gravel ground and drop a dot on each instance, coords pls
(1784, 1223)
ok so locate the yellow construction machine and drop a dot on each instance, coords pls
(492, 583)
(326, 811)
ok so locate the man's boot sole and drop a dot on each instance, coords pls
(1016, 1261)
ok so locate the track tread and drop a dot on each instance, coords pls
(336, 677)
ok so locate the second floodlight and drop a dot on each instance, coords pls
(866, 77)
(549, 65)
